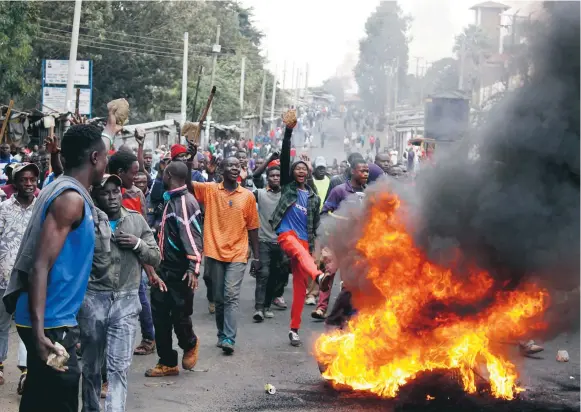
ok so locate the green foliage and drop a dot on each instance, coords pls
(442, 76)
(137, 51)
(385, 42)
(17, 31)
(475, 47)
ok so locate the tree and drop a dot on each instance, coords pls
(441, 76)
(335, 86)
(472, 48)
(17, 30)
(384, 45)
(137, 51)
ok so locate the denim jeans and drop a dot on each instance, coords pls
(5, 321)
(108, 323)
(226, 281)
(273, 274)
(145, 319)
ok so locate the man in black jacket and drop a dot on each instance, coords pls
(180, 243)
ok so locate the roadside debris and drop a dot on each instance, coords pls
(270, 389)
(562, 356)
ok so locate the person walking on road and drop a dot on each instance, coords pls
(356, 185)
(321, 185)
(15, 213)
(52, 269)
(109, 314)
(230, 221)
(180, 243)
(273, 271)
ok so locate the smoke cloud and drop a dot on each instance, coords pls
(515, 210)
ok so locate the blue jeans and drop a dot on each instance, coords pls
(108, 322)
(145, 319)
(226, 281)
(5, 321)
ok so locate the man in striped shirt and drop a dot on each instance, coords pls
(180, 243)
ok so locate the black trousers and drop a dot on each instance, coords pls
(208, 281)
(46, 389)
(342, 310)
(273, 276)
(169, 309)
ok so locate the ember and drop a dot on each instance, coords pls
(425, 318)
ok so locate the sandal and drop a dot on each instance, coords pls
(146, 347)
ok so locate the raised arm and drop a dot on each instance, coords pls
(140, 139)
(285, 176)
(260, 169)
(53, 147)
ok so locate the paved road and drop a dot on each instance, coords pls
(263, 355)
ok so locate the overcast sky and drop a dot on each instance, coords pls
(303, 31)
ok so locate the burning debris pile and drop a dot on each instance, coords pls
(488, 240)
(424, 318)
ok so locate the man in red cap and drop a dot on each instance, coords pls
(180, 153)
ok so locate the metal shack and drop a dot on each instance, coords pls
(446, 116)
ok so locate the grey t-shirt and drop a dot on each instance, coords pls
(266, 201)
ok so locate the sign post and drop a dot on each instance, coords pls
(54, 85)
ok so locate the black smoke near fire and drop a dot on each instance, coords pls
(515, 209)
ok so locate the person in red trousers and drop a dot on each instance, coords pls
(295, 220)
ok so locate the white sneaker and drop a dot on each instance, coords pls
(268, 314)
(258, 316)
(295, 340)
(311, 301)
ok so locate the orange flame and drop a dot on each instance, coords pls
(411, 327)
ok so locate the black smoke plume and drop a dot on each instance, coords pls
(515, 209)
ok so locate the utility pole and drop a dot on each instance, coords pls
(293, 81)
(297, 88)
(185, 80)
(69, 102)
(242, 71)
(306, 80)
(418, 72)
(262, 93)
(284, 76)
(200, 72)
(273, 99)
(215, 49)
(461, 71)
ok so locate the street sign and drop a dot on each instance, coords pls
(53, 98)
(57, 72)
(54, 82)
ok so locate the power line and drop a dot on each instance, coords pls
(113, 40)
(112, 32)
(201, 46)
(120, 47)
(67, 42)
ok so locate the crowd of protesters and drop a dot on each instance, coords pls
(77, 257)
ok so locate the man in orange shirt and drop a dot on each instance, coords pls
(231, 218)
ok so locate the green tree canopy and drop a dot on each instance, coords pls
(384, 44)
(137, 51)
